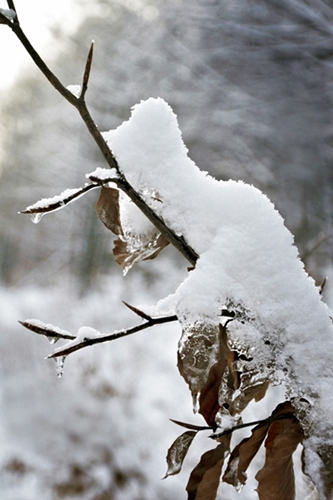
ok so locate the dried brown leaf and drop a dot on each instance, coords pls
(276, 479)
(178, 451)
(205, 477)
(245, 451)
(209, 396)
(196, 355)
(107, 208)
(260, 393)
(243, 454)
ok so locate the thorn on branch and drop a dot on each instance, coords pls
(192, 427)
(137, 311)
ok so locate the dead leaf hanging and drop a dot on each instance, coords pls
(107, 208)
(277, 479)
(205, 477)
(178, 451)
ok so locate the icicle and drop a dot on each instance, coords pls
(36, 217)
(196, 403)
(60, 361)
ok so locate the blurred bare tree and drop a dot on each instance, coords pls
(252, 86)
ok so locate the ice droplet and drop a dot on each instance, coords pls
(36, 217)
(52, 340)
(60, 361)
(239, 486)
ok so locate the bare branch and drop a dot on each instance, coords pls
(87, 72)
(265, 421)
(192, 427)
(72, 347)
(58, 202)
(11, 5)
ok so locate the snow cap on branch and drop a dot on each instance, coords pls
(248, 262)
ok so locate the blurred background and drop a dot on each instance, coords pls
(252, 85)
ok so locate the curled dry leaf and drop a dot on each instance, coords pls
(209, 396)
(205, 477)
(126, 254)
(178, 451)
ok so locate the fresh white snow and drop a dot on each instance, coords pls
(248, 261)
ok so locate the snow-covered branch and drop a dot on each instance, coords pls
(80, 104)
(88, 336)
(276, 329)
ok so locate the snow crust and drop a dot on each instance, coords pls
(9, 13)
(248, 261)
(60, 198)
(102, 173)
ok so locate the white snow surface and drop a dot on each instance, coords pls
(247, 256)
(75, 90)
(9, 13)
(59, 198)
(102, 173)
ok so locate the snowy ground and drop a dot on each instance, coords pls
(101, 431)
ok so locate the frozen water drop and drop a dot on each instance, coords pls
(196, 402)
(52, 340)
(36, 217)
(239, 486)
(60, 361)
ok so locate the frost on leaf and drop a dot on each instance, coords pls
(205, 477)
(178, 451)
(197, 353)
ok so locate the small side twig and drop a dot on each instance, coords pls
(86, 74)
(72, 347)
(265, 421)
(48, 331)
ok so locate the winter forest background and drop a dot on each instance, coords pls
(252, 85)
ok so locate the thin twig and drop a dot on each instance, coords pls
(192, 427)
(87, 72)
(58, 204)
(65, 351)
(250, 424)
(47, 330)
